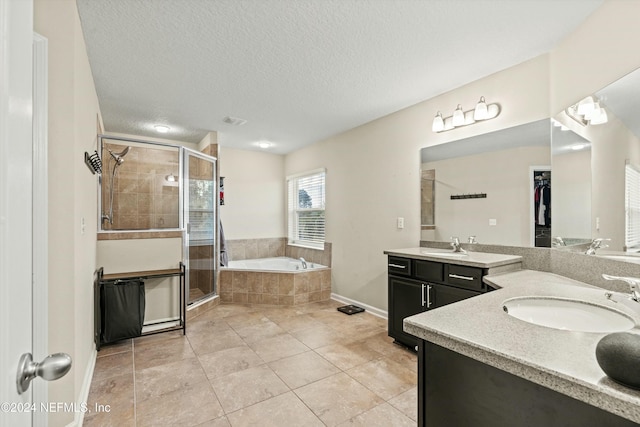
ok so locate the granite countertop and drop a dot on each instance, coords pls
(560, 360)
(471, 259)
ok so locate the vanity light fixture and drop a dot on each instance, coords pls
(589, 111)
(162, 128)
(482, 111)
(438, 123)
(458, 116)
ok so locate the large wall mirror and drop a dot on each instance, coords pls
(495, 187)
(607, 124)
(593, 149)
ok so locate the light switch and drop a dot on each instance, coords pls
(598, 223)
(493, 221)
(400, 222)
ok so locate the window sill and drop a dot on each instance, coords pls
(300, 245)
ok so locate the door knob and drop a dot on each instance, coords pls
(51, 368)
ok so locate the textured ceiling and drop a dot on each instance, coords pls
(300, 71)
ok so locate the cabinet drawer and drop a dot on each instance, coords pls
(399, 266)
(428, 270)
(465, 277)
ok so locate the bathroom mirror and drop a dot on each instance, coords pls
(614, 147)
(485, 186)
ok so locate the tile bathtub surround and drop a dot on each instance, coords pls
(244, 365)
(318, 256)
(282, 289)
(240, 249)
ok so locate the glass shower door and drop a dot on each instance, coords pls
(200, 220)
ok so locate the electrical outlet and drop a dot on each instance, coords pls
(83, 226)
(493, 221)
(400, 222)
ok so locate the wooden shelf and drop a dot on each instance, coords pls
(102, 278)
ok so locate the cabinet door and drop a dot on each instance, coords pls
(443, 295)
(406, 298)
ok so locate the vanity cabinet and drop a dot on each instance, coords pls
(417, 285)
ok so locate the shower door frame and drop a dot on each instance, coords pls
(184, 219)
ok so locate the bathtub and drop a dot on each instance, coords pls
(277, 281)
(273, 264)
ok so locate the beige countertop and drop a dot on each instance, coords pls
(557, 359)
(471, 259)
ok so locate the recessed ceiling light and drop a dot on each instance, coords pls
(162, 129)
(264, 144)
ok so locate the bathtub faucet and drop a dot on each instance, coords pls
(304, 263)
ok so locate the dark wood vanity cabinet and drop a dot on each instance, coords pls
(417, 285)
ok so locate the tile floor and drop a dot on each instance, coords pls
(243, 365)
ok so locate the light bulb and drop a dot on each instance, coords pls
(599, 116)
(458, 116)
(586, 106)
(481, 112)
(438, 123)
(162, 129)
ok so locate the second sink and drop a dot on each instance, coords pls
(567, 314)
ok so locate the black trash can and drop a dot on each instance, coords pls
(122, 305)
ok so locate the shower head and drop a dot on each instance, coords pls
(119, 157)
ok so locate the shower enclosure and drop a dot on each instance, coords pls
(200, 213)
(151, 187)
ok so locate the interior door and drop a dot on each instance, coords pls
(16, 37)
(200, 192)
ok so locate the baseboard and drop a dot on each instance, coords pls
(373, 310)
(84, 391)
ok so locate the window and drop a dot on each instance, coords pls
(632, 207)
(305, 194)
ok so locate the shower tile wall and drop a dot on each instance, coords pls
(255, 248)
(143, 198)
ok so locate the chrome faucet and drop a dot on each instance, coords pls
(634, 285)
(304, 263)
(472, 240)
(455, 244)
(557, 241)
(596, 244)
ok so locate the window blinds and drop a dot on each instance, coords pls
(632, 206)
(306, 199)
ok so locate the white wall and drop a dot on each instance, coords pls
(73, 109)
(254, 194)
(373, 173)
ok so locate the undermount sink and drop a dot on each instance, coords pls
(567, 314)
